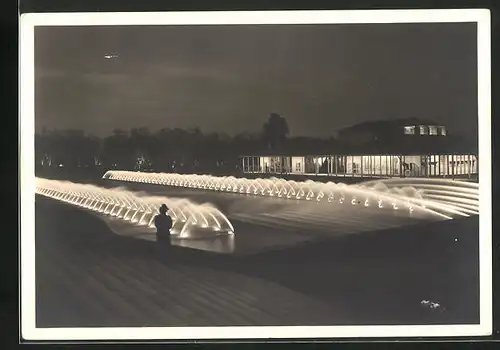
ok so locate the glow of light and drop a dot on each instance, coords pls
(441, 197)
(110, 202)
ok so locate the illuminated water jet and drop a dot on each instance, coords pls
(190, 220)
(440, 197)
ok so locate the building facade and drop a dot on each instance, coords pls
(382, 165)
(402, 148)
(399, 129)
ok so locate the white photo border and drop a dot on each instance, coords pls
(28, 22)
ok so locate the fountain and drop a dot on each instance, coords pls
(190, 220)
(443, 198)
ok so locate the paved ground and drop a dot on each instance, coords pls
(89, 276)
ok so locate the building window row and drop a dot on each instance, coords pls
(433, 130)
(367, 165)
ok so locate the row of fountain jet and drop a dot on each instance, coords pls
(444, 198)
(139, 210)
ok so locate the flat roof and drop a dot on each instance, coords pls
(401, 146)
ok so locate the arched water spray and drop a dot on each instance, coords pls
(188, 217)
(443, 198)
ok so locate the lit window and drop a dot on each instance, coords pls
(423, 130)
(409, 130)
(433, 130)
(443, 131)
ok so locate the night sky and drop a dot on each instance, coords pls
(230, 78)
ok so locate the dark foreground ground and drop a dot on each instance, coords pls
(88, 276)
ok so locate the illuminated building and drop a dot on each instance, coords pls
(401, 148)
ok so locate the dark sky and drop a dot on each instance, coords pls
(230, 78)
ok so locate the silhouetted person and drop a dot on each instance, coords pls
(163, 223)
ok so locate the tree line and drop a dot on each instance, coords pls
(193, 151)
(167, 149)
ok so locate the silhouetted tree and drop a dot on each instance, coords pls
(143, 145)
(161, 154)
(41, 150)
(118, 151)
(275, 131)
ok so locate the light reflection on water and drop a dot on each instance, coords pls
(200, 240)
(221, 245)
